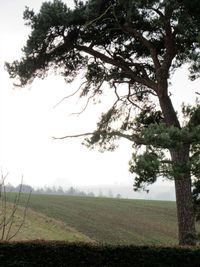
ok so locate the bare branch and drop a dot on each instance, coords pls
(73, 136)
(98, 18)
(131, 137)
(116, 93)
(80, 112)
(157, 11)
(8, 238)
(88, 100)
(69, 95)
(3, 226)
(8, 220)
(128, 98)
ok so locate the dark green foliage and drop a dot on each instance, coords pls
(158, 139)
(59, 254)
(146, 167)
(57, 33)
(147, 117)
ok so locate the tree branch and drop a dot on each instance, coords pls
(122, 65)
(170, 48)
(86, 105)
(69, 95)
(157, 11)
(127, 27)
(133, 138)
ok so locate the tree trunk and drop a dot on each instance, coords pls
(184, 203)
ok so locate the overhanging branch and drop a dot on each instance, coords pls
(131, 137)
(120, 64)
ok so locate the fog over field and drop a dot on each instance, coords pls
(156, 192)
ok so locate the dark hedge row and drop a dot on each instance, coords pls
(72, 254)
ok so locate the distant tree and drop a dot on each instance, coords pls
(110, 194)
(91, 194)
(39, 191)
(10, 188)
(24, 188)
(118, 196)
(100, 194)
(71, 191)
(60, 190)
(53, 189)
(134, 46)
(49, 190)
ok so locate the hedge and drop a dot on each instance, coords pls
(63, 254)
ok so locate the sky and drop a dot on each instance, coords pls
(29, 120)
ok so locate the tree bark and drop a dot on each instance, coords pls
(184, 202)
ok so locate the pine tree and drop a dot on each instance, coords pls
(134, 46)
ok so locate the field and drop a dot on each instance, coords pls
(39, 226)
(112, 221)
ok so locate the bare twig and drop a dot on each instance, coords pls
(128, 98)
(8, 220)
(8, 238)
(69, 95)
(116, 93)
(71, 136)
(96, 19)
(4, 213)
(88, 100)
(80, 112)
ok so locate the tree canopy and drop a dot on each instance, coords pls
(134, 46)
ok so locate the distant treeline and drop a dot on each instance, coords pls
(24, 188)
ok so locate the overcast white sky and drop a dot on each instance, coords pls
(28, 120)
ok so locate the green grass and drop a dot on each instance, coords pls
(113, 221)
(40, 226)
